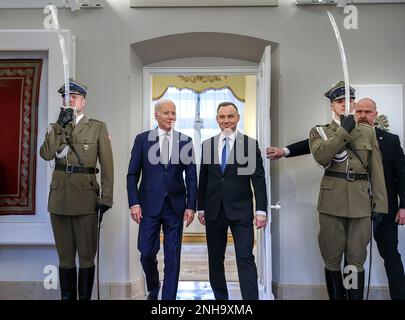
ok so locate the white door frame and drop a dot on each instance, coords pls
(263, 103)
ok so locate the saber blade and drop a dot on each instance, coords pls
(344, 61)
(55, 25)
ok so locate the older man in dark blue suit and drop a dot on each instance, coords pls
(161, 156)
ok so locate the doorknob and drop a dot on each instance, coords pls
(277, 206)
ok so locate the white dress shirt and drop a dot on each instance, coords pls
(221, 143)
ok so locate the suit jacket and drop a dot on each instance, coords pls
(159, 181)
(394, 169)
(393, 160)
(233, 188)
(73, 194)
(338, 196)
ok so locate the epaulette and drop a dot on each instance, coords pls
(97, 121)
(365, 125)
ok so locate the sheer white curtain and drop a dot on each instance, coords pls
(196, 112)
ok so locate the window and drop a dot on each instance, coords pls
(196, 112)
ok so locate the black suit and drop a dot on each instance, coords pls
(227, 201)
(386, 234)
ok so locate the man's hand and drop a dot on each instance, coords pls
(65, 116)
(136, 213)
(377, 218)
(347, 122)
(102, 208)
(201, 218)
(274, 153)
(260, 221)
(400, 218)
(188, 216)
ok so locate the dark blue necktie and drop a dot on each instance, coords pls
(225, 152)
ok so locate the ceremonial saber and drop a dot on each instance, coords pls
(344, 62)
(347, 111)
(55, 26)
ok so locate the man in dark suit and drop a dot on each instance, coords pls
(231, 163)
(393, 158)
(162, 199)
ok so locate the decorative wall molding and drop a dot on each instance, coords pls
(203, 3)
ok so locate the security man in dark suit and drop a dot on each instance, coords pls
(76, 143)
(231, 163)
(393, 158)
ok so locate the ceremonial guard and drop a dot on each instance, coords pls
(352, 190)
(76, 143)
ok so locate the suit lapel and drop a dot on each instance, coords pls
(153, 142)
(380, 137)
(215, 156)
(176, 145)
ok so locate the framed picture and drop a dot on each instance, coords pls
(19, 91)
(203, 3)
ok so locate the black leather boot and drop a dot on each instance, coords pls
(86, 279)
(68, 283)
(357, 294)
(334, 284)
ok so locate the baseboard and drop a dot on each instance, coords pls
(319, 292)
(34, 290)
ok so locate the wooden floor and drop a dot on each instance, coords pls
(194, 263)
(199, 290)
(194, 278)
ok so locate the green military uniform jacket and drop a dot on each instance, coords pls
(73, 193)
(337, 196)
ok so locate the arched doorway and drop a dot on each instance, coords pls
(209, 53)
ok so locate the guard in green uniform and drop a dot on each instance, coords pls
(76, 143)
(352, 190)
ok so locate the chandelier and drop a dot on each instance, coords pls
(194, 79)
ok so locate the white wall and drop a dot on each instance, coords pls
(308, 64)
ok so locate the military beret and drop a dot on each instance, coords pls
(74, 87)
(338, 91)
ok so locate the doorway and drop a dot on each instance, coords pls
(196, 92)
(215, 54)
(196, 98)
